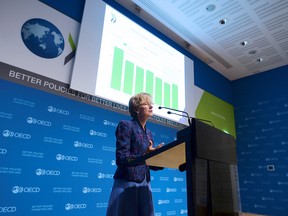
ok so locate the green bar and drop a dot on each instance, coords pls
(139, 82)
(117, 66)
(158, 91)
(174, 96)
(167, 95)
(149, 82)
(128, 77)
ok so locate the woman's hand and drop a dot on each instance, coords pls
(151, 148)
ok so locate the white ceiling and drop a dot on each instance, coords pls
(195, 25)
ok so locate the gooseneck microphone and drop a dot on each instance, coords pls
(186, 115)
(180, 111)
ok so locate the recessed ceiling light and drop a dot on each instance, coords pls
(210, 7)
(223, 21)
(260, 60)
(243, 43)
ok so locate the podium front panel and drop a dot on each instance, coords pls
(214, 144)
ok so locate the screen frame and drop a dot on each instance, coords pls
(84, 74)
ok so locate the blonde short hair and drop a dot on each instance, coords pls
(136, 100)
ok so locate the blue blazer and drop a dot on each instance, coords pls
(132, 142)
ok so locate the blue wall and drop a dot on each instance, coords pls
(261, 110)
(57, 155)
(261, 115)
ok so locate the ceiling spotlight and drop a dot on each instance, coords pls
(243, 43)
(260, 60)
(223, 21)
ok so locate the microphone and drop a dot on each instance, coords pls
(180, 111)
(174, 113)
(186, 115)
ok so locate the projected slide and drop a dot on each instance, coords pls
(117, 58)
(133, 60)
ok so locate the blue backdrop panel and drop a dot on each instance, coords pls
(57, 156)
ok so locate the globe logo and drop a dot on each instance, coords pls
(42, 38)
(6, 133)
(50, 109)
(16, 189)
(39, 172)
(30, 120)
(85, 190)
(77, 144)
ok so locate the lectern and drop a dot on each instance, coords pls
(206, 154)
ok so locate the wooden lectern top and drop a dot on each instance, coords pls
(171, 155)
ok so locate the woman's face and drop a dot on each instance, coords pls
(145, 110)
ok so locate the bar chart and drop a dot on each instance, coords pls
(128, 60)
(129, 78)
(117, 58)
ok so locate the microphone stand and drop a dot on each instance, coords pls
(186, 113)
(187, 116)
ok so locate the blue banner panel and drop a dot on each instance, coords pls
(57, 156)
